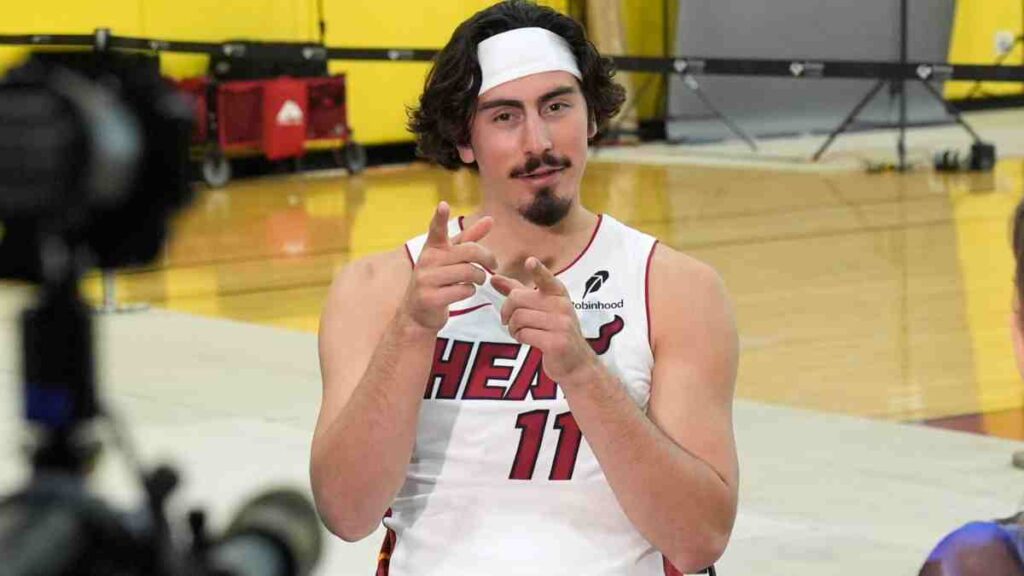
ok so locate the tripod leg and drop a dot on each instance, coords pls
(848, 120)
(692, 84)
(110, 304)
(901, 143)
(952, 111)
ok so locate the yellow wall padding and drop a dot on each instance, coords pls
(643, 21)
(606, 30)
(65, 17)
(974, 30)
(378, 91)
(219, 20)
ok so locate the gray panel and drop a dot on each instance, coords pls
(801, 29)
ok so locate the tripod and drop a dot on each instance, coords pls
(689, 81)
(898, 87)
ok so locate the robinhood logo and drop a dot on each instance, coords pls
(594, 283)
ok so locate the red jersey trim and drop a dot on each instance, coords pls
(647, 295)
(387, 549)
(409, 254)
(463, 229)
(467, 310)
(600, 218)
(670, 570)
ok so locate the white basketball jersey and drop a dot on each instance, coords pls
(501, 481)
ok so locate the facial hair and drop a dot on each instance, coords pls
(547, 159)
(546, 208)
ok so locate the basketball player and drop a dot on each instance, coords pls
(996, 547)
(533, 389)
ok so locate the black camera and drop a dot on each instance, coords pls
(93, 163)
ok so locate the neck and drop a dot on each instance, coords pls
(513, 238)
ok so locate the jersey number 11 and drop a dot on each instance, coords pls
(533, 425)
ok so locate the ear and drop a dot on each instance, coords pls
(466, 154)
(591, 127)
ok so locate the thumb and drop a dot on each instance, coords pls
(504, 285)
(544, 279)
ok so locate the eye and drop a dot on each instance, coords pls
(506, 116)
(557, 107)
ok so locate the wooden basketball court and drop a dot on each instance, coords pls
(881, 295)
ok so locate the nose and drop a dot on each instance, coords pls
(536, 136)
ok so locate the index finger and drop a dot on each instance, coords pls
(475, 232)
(437, 236)
(544, 279)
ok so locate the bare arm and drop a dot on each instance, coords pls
(373, 374)
(696, 358)
(674, 470)
(377, 337)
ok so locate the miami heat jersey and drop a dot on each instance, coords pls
(501, 480)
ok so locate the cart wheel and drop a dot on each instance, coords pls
(216, 170)
(353, 157)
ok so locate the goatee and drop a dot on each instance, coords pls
(546, 209)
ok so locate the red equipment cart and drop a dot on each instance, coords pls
(279, 118)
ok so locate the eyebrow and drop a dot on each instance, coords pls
(551, 95)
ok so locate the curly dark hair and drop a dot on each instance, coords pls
(447, 104)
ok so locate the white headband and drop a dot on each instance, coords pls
(523, 51)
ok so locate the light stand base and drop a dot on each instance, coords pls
(901, 151)
(110, 304)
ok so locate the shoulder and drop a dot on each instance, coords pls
(373, 272)
(360, 302)
(369, 285)
(685, 291)
(681, 272)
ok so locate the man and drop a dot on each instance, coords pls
(534, 388)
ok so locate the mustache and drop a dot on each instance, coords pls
(534, 163)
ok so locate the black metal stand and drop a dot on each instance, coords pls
(898, 88)
(691, 83)
(110, 304)
(61, 403)
(321, 22)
